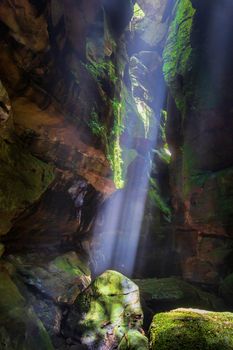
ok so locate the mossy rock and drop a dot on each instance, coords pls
(168, 293)
(178, 52)
(19, 326)
(105, 311)
(23, 179)
(192, 329)
(61, 278)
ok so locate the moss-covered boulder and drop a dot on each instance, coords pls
(188, 329)
(168, 293)
(19, 326)
(104, 313)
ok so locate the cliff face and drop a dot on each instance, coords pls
(198, 72)
(54, 85)
(81, 85)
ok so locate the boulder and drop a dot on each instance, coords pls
(49, 284)
(19, 326)
(168, 293)
(105, 312)
(60, 279)
(192, 329)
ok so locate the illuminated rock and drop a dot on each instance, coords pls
(105, 312)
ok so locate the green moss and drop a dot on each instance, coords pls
(103, 70)
(23, 179)
(71, 264)
(115, 150)
(138, 13)
(163, 152)
(111, 139)
(133, 340)
(189, 329)
(156, 198)
(178, 51)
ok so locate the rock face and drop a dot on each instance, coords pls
(199, 132)
(192, 329)
(49, 65)
(107, 313)
(20, 328)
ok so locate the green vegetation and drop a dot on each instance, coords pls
(189, 329)
(111, 139)
(115, 151)
(103, 69)
(133, 340)
(155, 197)
(164, 152)
(138, 13)
(177, 54)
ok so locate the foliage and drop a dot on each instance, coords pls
(138, 12)
(155, 197)
(111, 139)
(177, 52)
(103, 69)
(164, 152)
(115, 151)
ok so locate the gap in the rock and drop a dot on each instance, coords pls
(117, 243)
